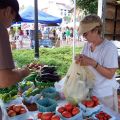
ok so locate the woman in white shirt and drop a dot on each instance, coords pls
(101, 56)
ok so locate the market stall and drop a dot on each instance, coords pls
(40, 96)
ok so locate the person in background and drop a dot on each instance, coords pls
(67, 33)
(32, 39)
(71, 33)
(59, 34)
(12, 38)
(20, 34)
(11, 34)
(101, 56)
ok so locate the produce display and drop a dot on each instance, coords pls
(34, 66)
(30, 106)
(50, 93)
(48, 74)
(9, 94)
(45, 78)
(46, 105)
(40, 99)
(48, 116)
(69, 111)
(92, 102)
(31, 92)
(25, 85)
(31, 77)
(15, 110)
(103, 116)
(90, 106)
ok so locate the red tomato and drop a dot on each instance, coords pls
(39, 115)
(61, 109)
(89, 103)
(47, 116)
(66, 114)
(96, 103)
(22, 111)
(55, 117)
(75, 111)
(11, 107)
(102, 116)
(94, 98)
(17, 108)
(68, 107)
(11, 113)
(84, 102)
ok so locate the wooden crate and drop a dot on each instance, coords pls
(110, 11)
(109, 37)
(111, 1)
(118, 13)
(117, 27)
(109, 27)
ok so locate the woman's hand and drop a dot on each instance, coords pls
(77, 58)
(85, 61)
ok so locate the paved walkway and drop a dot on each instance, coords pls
(70, 43)
(26, 44)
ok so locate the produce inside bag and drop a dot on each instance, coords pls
(79, 80)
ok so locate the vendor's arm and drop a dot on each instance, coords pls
(106, 72)
(9, 77)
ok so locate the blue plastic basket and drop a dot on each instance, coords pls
(50, 93)
(90, 111)
(46, 105)
(79, 116)
(112, 117)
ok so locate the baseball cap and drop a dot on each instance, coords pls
(14, 5)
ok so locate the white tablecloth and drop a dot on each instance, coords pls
(33, 115)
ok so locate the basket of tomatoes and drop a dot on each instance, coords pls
(48, 116)
(103, 116)
(69, 112)
(90, 106)
(17, 111)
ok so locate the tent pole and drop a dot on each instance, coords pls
(74, 29)
(36, 30)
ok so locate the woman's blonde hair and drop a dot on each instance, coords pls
(92, 18)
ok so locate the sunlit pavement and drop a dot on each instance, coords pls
(27, 43)
(70, 43)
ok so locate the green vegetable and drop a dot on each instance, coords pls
(31, 77)
(35, 91)
(28, 92)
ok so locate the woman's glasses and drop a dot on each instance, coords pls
(85, 34)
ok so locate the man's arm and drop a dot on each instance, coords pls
(9, 77)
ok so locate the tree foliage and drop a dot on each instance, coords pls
(88, 6)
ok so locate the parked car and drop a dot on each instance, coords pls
(46, 43)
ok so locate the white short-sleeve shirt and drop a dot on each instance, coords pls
(106, 55)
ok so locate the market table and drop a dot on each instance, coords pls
(117, 115)
(111, 112)
(33, 115)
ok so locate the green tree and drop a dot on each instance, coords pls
(88, 6)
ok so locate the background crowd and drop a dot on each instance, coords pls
(18, 37)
